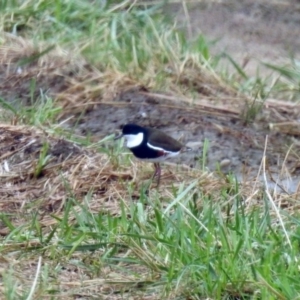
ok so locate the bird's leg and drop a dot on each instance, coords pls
(157, 173)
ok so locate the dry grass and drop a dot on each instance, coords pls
(42, 173)
(73, 171)
(76, 85)
(74, 281)
(70, 171)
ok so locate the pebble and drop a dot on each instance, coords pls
(225, 162)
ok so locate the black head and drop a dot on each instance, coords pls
(132, 129)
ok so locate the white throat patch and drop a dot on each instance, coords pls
(134, 140)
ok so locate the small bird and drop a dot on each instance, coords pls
(151, 145)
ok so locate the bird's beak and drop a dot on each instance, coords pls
(118, 136)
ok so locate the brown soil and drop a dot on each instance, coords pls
(251, 31)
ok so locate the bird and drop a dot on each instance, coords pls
(151, 145)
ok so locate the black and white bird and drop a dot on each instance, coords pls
(151, 145)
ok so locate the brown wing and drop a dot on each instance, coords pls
(160, 139)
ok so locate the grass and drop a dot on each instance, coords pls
(125, 39)
(187, 245)
(75, 218)
(288, 80)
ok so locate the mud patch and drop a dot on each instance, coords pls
(234, 146)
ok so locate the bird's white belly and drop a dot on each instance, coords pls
(164, 157)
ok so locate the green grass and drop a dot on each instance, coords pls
(283, 83)
(190, 244)
(118, 35)
(288, 83)
(193, 248)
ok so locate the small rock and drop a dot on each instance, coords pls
(225, 162)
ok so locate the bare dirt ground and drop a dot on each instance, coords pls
(244, 29)
(251, 31)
